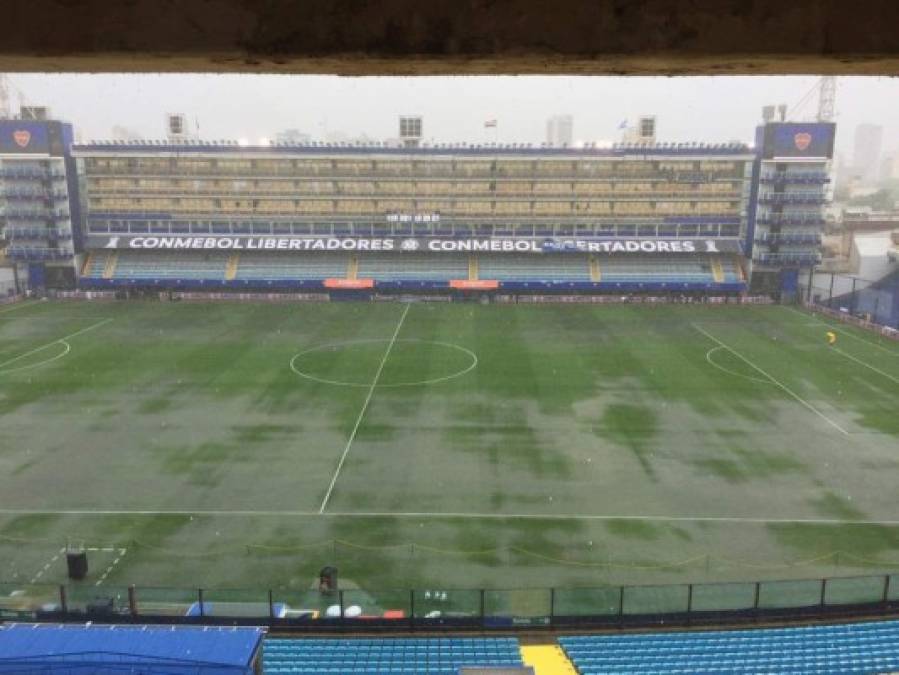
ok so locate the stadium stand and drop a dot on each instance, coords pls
(530, 268)
(294, 266)
(181, 265)
(387, 655)
(672, 270)
(412, 267)
(849, 648)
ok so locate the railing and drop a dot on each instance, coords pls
(816, 220)
(409, 173)
(786, 238)
(457, 195)
(37, 233)
(796, 177)
(358, 609)
(18, 172)
(790, 258)
(791, 198)
(35, 253)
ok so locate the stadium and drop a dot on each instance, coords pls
(432, 387)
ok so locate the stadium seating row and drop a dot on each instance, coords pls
(389, 267)
(387, 655)
(850, 648)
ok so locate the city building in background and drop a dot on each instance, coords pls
(866, 152)
(178, 128)
(293, 136)
(644, 131)
(889, 167)
(38, 200)
(560, 130)
(411, 130)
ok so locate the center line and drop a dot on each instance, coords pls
(371, 390)
(782, 386)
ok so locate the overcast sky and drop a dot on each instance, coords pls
(711, 109)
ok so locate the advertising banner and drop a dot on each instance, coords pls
(414, 245)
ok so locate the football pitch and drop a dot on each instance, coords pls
(229, 445)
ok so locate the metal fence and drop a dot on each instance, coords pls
(876, 302)
(358, 609)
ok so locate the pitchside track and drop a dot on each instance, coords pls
(443, 446)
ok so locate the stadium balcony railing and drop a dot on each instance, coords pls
(29, 172)
(791, 198)
(801, 259)
(813, 177)
(790, 219)
(23, 253)
(38, 233)
(790, 238)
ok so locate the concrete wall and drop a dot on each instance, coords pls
(453, 36)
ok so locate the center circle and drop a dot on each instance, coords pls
(297, 367)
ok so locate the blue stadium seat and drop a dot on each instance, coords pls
(557, 268)
(412, 267)
(293, 265)
(380, 656)
(871, 647)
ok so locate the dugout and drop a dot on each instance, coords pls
(87, 649)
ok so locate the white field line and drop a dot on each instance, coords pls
(773, 380)
(866, 365)
(46, 567)
(18, 305)
(38, 364)
(708, 357)
(449, 514)
(371, 390)
(121, 554)
(57, 341)
(837, 329)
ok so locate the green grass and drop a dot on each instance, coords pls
(179, 432)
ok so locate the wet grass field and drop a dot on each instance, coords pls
(237, 446)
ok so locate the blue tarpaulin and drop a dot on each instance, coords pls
(76, 649)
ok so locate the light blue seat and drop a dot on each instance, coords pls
(849, 648)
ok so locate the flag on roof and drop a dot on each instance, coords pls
(623, 124)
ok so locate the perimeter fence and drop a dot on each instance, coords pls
(359, 609)
(869, 301)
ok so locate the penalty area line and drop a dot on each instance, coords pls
(773, 380)
(371, 391)
(57, 341)
(866, 365)
(839, 330)
(450, 514)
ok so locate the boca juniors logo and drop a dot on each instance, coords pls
(802, 140)
(22, 137)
